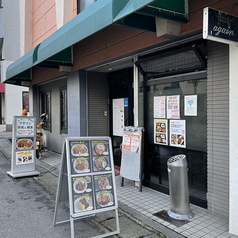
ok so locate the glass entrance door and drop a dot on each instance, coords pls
(121, 109)
(176, 123)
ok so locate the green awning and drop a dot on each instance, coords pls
(93, 19)
(20, 69)
(57, 50)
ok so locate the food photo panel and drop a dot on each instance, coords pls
(24, 143)
(83, 203)
(100, 148)
(104, 199)
(82, 184)
(80, 165)
(101, 163)
(79, 148)
(103, 182)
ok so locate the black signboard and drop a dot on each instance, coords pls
(219, 26)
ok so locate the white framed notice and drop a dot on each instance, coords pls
(173, 107)
(190, 105)
(159, 107)
(177, 134)
(118, 116)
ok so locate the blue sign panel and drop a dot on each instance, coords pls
(125, 102)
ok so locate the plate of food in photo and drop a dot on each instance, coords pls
(80, 165)
(100, 149)
(80, 186)
(24, 144)
(101, 163)
(83, 204)
(104, 183)
(79, 150)
(104, 199)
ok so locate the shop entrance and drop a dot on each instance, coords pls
(121, 107)
(176, 123)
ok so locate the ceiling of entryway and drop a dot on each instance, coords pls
(113, 66)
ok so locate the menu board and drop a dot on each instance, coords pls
(91, 175)
(131, 163)
(23, 147)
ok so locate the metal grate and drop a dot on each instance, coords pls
(181, 60)
(176, 158)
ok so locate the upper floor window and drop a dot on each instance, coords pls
(63, 110)
(25, 101)
(83, 4)
(46, 108)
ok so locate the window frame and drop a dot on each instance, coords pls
(63, 110)
(46, 108)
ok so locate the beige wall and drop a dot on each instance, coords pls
(48, 16)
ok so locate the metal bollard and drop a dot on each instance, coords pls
(178, 188)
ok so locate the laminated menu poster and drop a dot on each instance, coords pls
(161, 131)
(173, 107)
(159, 107)
(178, 133)
(92, 179)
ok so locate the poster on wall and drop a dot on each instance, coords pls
(159, 106)
(173, 107)
(190, 105)
(161, 131)
(177, 134)
(118, 116)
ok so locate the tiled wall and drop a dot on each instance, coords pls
(218, 129)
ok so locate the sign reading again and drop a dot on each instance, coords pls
(220, 26)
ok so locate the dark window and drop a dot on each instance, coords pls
(83, 4)
(46, 108)
(25, 101)
(63, 110)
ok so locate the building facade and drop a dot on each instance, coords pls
(12, 98)
(89, 58)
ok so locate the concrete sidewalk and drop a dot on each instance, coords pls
(49, 167)
(138, 210)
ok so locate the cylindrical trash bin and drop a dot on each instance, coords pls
(178, 188)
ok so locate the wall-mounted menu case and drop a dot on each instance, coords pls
(91, 177)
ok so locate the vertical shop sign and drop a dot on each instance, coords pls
(161, 131)
(159, 106)
(173, 107)
(178, 133)
(190, 105)
(23, 161)
(118, 116)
